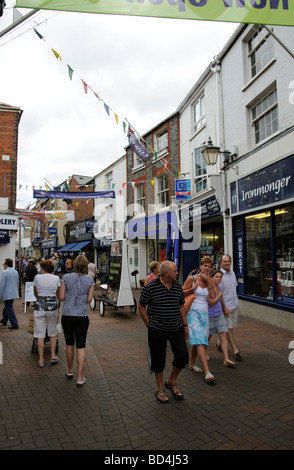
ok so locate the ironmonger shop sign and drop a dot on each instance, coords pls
(267, 186)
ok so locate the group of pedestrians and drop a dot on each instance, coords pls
(161, 306)
(214, 311)
(75, 289)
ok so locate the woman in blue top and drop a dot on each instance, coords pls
(217, 321)
(77, 290)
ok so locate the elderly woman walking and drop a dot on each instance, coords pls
(77, 290)
(46, 287)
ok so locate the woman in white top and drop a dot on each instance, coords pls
(202, 286)
(46, 286)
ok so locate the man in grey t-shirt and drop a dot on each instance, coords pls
(230, 302)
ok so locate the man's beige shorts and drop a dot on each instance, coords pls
(232, 319)
(45, 321)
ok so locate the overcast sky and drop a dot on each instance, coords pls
(142, 68)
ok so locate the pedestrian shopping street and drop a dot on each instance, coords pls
(247, 408)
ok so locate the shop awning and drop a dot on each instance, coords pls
(80, 246)
(68, 247)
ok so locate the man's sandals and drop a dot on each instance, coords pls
(161, 396)
(177, 393)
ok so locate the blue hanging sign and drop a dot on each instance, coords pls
(183, 189)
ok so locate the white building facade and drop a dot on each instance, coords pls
(257, 76)
(109, 213)
(244, 103)
(202, 215)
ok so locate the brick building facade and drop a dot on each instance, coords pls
(9, 122)
(150, 193)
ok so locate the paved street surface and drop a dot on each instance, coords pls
(250, 407)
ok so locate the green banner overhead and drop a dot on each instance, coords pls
(271, 12)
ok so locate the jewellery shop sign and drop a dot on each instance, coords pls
(9, 222)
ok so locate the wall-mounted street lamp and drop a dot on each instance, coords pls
(210, 154)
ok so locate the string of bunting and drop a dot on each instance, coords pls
(136, 141)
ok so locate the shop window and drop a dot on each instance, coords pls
(212, 243)
(284, 224)
(259, 255)
(103, 261)
(156, 251)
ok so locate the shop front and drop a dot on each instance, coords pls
(102, 255)
(262, 205)
(79, 236)
(48, 247)
(202, 234)
(153, 238)
(9, 225)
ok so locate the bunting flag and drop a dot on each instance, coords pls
(275, 12)
(38, 34)
(137, 143)
(56, 54)
(85, 86)
(70, 72)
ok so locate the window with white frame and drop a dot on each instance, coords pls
(199, 114)
(140, 198)
(265, 116)
(163, 190)
(161, 143)
(108, 180)
(200, 170)
(260, 50)
(137, 160)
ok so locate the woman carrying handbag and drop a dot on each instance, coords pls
(200, 285)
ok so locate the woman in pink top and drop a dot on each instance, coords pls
(154, 268)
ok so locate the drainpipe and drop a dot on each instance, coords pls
(216, 69)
